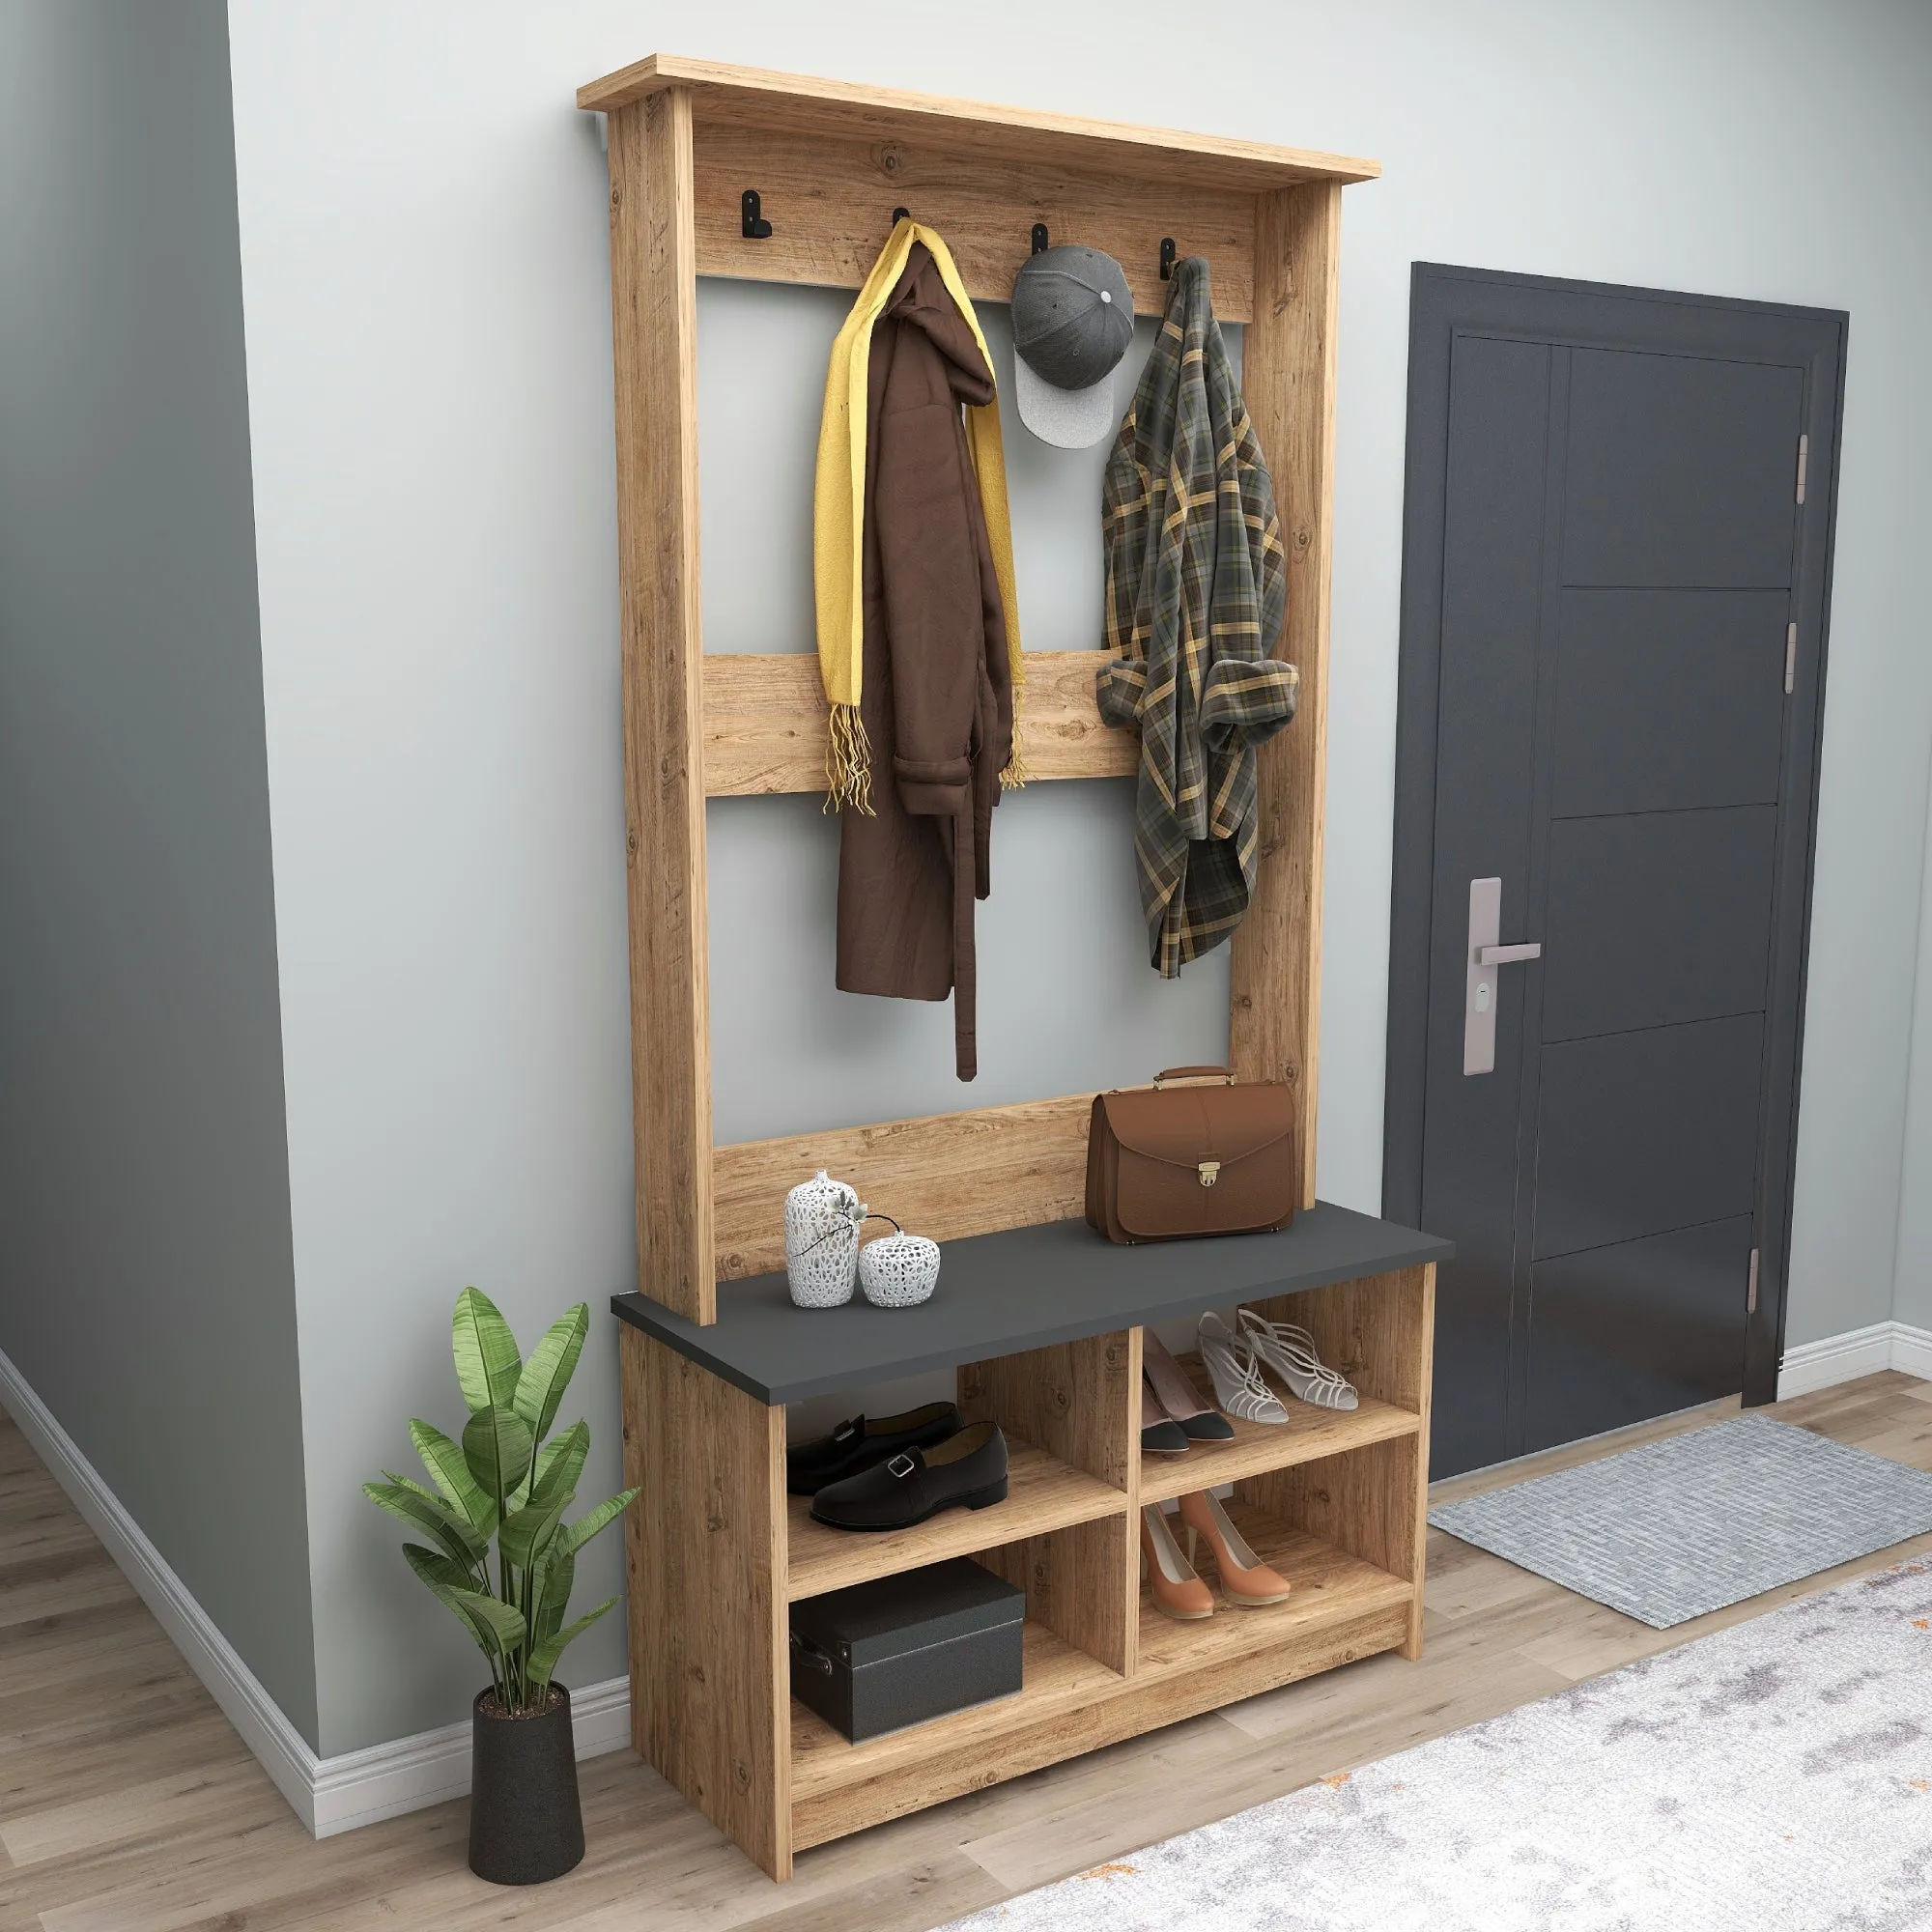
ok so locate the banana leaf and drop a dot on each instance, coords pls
(486, 1353)
(545, 1376)
(526, 1532)
(497, 1447)
(560, 1464)
(550, 1598)
(544, 1655)
(497, 1625)
(423, 1511)
(443, 1459)
(591, 1521)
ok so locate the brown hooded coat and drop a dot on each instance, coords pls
(937, 699)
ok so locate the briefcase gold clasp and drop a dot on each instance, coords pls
(1209, 1170)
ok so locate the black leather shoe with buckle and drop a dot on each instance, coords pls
(863, 1440)
(966, 1471)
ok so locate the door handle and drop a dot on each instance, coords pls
(1479, 991)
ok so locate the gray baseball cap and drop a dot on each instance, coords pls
(1074, 320)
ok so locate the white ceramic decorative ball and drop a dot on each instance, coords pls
(899, 1271)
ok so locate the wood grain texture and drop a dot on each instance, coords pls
(1288, 375)
(946, 1176)
(654, 312)
(1380, 1333)
(1424, 1318)
(1078, 1400)
(830, 201)
(1362, 1504)
(1376, 1332)
(1332, 1589)
(1257, 1447)
(1082, 1400)
(1070, 1705)
(765, 722)
(95, 1703)
(839, 1787)
(1044, 1494)
(1076, 1583)
(705, 1577)
(800, 103)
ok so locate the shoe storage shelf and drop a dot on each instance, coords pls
(1040, 1320)
(1042, 1327)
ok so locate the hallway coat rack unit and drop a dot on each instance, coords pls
(719, 170)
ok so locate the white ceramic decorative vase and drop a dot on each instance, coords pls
(899, 1271)
(821, 1227)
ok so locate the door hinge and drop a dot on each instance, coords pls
(1750, 1292)
(1790, 658)
(1804, 458)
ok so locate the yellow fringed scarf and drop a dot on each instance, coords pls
(839, 516)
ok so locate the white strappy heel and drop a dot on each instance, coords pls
(1238, 1387)
(1290, 1352)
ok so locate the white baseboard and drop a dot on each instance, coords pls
(328, 1793)
(385, 1781)
(1861, 1352)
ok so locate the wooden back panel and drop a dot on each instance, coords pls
(765, 722)
(945, 1175)
(831, 163)
(830, 201)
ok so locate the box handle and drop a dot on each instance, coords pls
(804, 1651)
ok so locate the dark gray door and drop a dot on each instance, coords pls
(1612, 646)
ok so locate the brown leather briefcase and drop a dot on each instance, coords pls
(1169, 1162)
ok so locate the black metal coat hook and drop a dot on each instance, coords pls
(900, 214)
(1166, 258)
(1039, 243)
(751, 222)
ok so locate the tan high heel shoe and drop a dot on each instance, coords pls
(1248, 1581)
(1176, 1589)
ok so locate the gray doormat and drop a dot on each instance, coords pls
(1677, 1529)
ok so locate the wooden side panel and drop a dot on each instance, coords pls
(945, 1175)
(706, 1579)
(1079, 1400)
(1289, 380)
(654, 312)
(830, 199)
(766, 724)
(1371, 1502)
(1076, 1584)
(1375, 1331)
(1426, 1374)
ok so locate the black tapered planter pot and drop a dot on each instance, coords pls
(525, 1825)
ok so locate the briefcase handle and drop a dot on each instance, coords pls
(1193, 1074)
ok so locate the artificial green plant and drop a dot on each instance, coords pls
(504, 1480)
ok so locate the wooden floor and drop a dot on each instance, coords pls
(126, 1804)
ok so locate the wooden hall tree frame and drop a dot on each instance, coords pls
(831, 162)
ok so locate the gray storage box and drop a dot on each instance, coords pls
(899, 1650)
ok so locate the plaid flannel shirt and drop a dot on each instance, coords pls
(1197, 588)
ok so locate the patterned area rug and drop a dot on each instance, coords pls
(1682, 1527)
(1773, 1778)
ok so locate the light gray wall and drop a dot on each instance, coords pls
(425, 264)
(146, 1288)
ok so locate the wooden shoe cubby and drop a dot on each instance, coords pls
(1335, 1500)
(1039, 1321)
